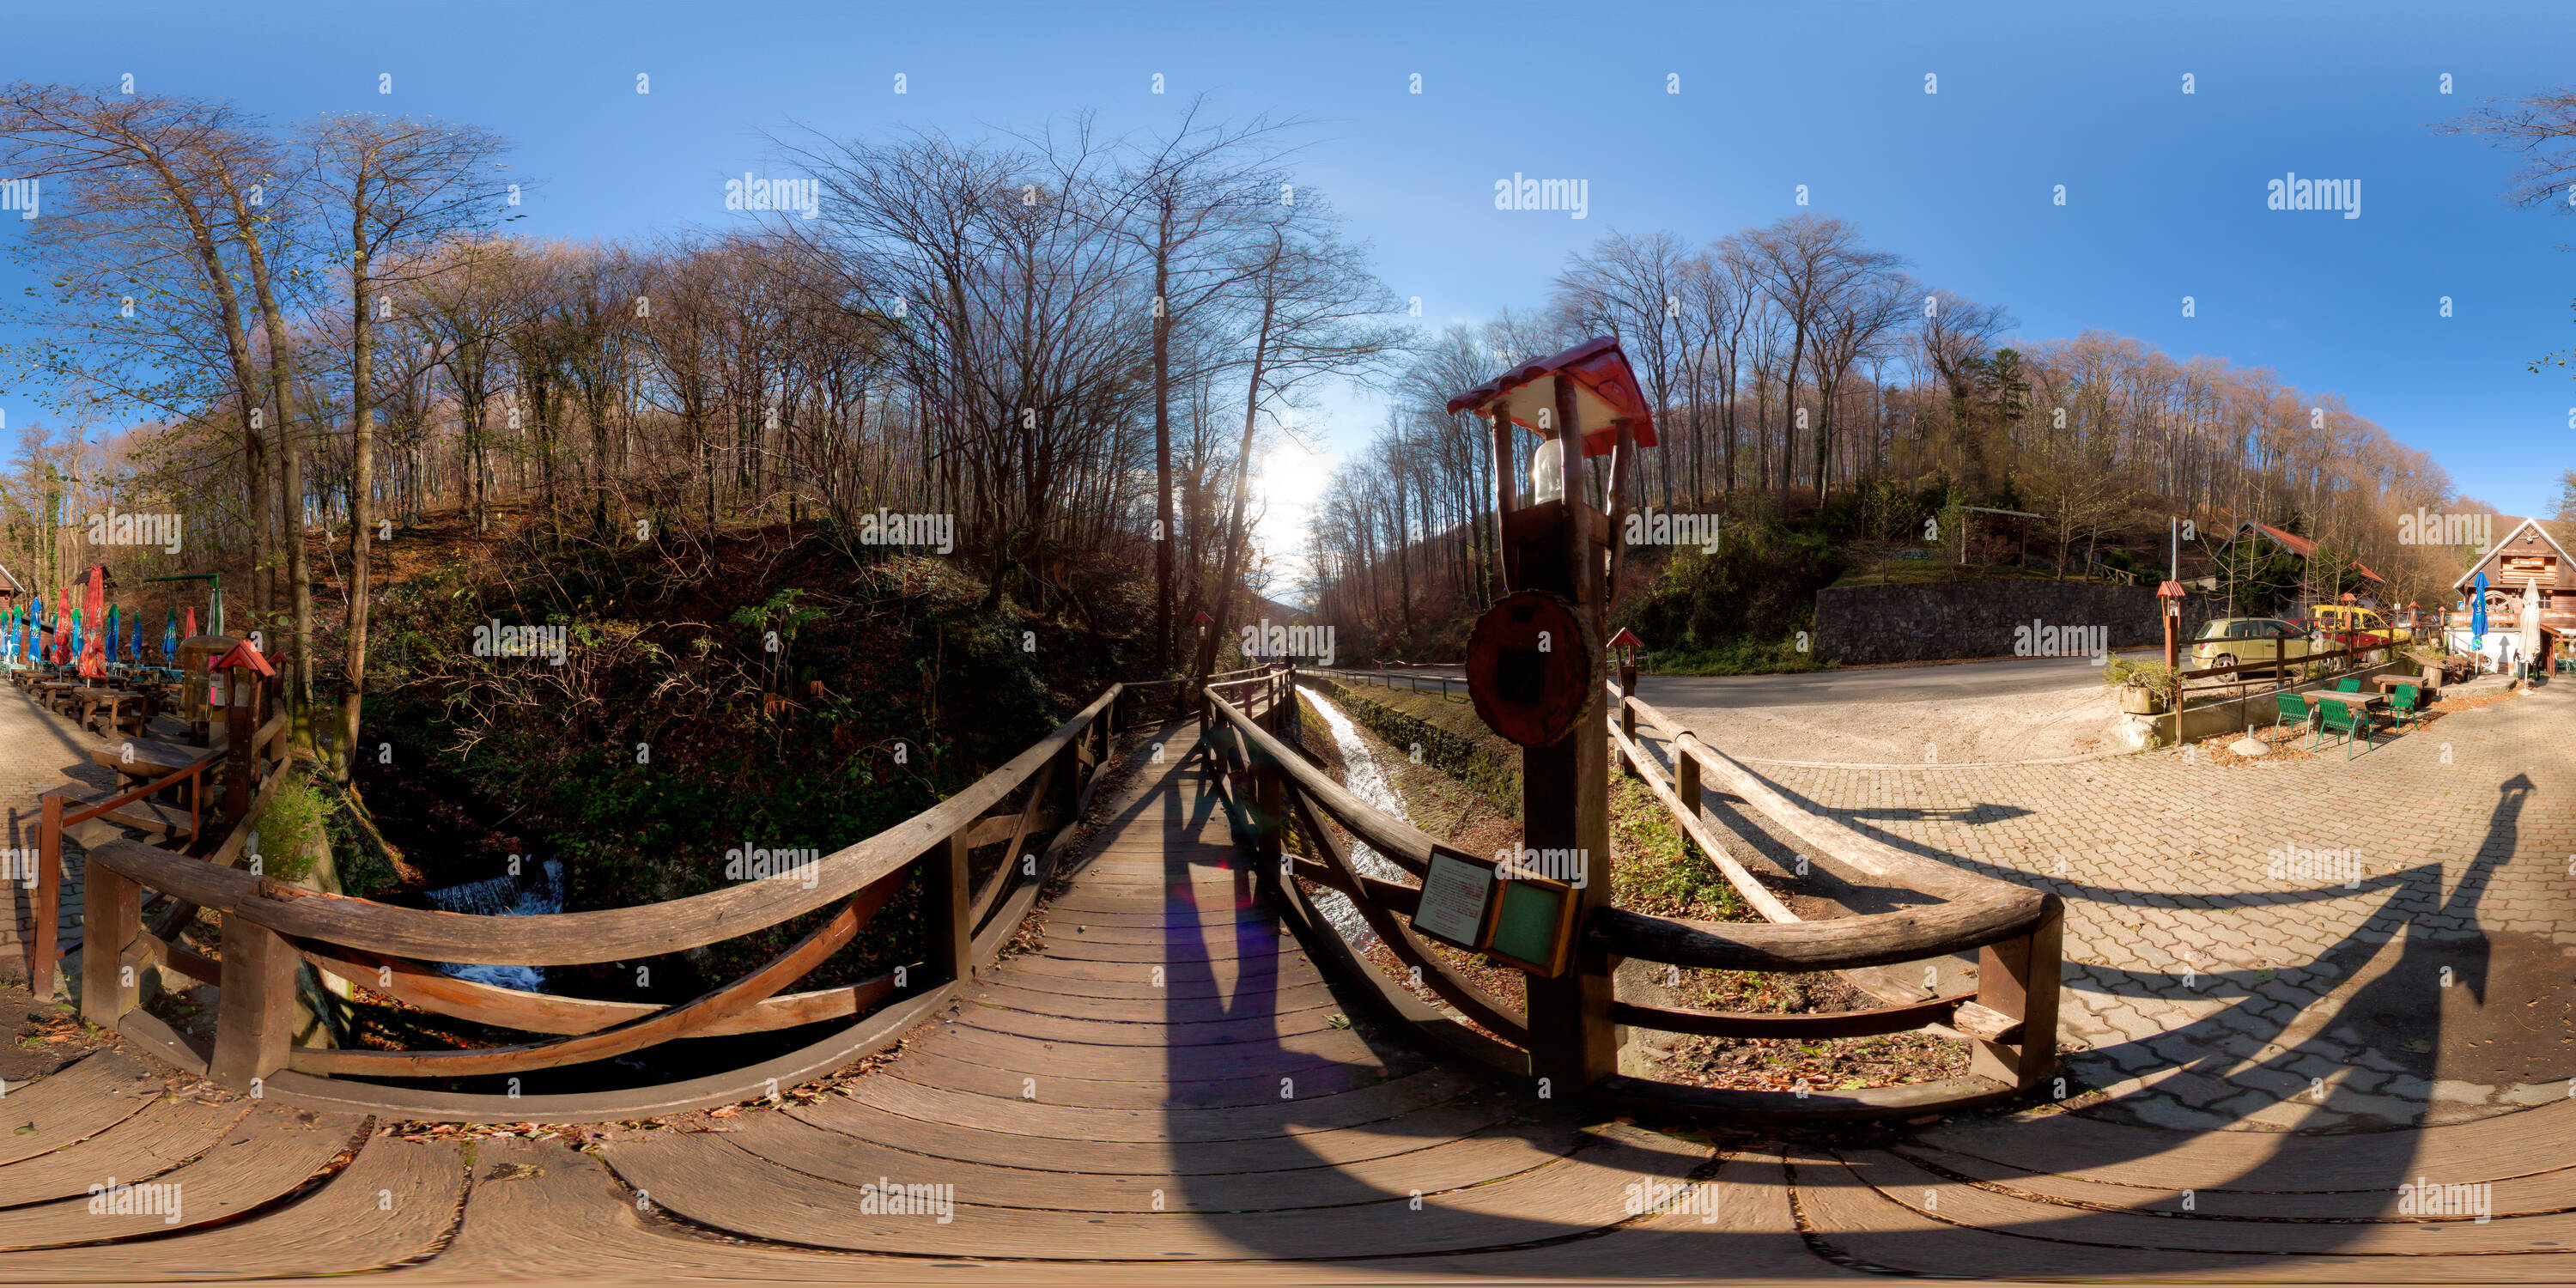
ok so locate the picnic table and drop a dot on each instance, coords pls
(2365, 700)
(151, 758)
(48, 691)
(115, 703)
(2392, 683)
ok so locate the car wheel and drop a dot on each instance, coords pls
(2227, 659)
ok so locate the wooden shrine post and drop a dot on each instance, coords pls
(1565, 785)
(1536, 669)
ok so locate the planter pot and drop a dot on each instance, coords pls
(2138, 700)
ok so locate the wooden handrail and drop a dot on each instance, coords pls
(2014, 926)
(1842, 943)
(96, 808)
(576, 938)
(425, 986)
(1884, 863)
(688, 1019)
(1398, 841)
(271, 929)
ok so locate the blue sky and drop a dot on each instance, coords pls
(2164, 190)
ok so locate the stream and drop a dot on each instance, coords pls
(528, 894)
(1361, 773)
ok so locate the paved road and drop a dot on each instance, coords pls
(1931, 682)
(1928, 683)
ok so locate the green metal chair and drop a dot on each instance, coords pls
(2348, 685)
(2403, 705)
(2291, 707)
(2346, 719)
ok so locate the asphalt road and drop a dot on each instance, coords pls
(1928, 682)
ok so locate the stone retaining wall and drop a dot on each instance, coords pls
(1914, 623)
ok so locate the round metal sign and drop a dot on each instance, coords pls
(1530, 667)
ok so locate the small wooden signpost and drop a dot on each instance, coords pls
(1519, 918)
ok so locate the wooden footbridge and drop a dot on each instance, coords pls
(1134, 1038)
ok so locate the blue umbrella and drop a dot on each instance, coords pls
(2478, 615)
(170, 638)
(111, 633)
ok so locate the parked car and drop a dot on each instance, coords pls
(2229, 641)
(2361, 625)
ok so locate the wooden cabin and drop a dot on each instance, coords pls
(2527, 555)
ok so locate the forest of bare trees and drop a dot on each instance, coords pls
(1065, 346)
(1795, 367)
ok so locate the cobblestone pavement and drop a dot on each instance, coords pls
(2296, 945)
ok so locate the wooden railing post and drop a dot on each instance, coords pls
(1686, 780)
(946, 905)
(1267, 818)
(2019, 980)
(112, 913)
(1627, 711)
(255, 1014)
(49, 903)
(1068, 779)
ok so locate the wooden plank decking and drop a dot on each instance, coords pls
(1169, 1078)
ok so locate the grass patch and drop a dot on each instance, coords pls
(1740, 656)
(1653, 865)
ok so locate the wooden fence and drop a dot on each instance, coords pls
(2011, 1017)
(270, 929)
(262, 761)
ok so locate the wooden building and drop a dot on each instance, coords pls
(2528, 555)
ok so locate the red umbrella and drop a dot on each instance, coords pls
(188, 629)
(93, 659)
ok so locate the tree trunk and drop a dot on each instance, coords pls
(362, 483)
(1234, 542)
(1163, 624)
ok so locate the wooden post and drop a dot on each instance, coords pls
(1565, 803)
(1507, 483)
(1686, 781)
(113, 914)
(49, 903)
(241, 759)
(2019, 978)
(255, 1015)
(1068, 780)
(1627, 692)
(1266, 819)
(946, 904)
(1623, 466)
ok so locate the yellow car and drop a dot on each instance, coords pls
(2343, 619)
(2227, 641)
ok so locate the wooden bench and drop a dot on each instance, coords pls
(156, 817)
